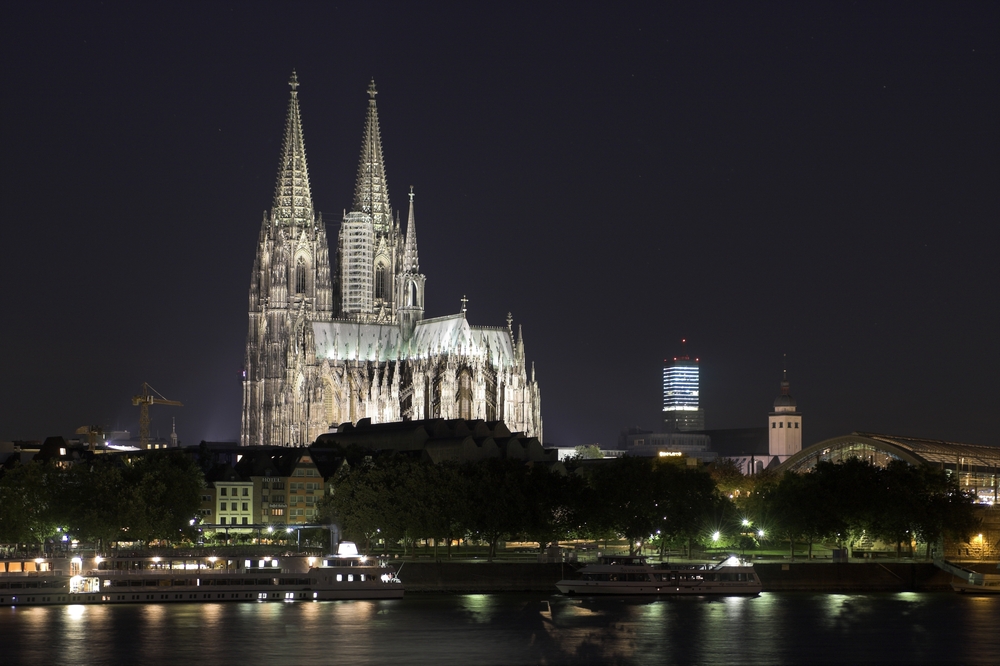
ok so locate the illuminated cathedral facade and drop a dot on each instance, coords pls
(331, 342)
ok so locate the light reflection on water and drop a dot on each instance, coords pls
(904, 628)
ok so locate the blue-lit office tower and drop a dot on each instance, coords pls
(681, 409)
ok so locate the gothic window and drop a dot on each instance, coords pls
(429, 400)
(331, 404)
(465, 394)
(411, 294)
(300, 276)
(381, 281)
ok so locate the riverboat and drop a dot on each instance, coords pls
(979, 584)
(633, 575)
(43, 582)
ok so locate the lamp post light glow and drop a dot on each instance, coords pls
(715, 536)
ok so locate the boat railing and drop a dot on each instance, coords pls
(111, 573)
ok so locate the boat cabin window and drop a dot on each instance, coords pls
(625, 560)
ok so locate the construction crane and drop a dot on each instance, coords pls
(92, 432)
(143, 401)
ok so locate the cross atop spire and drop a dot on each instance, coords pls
(465, 303)
(371, 194)
(293, 204)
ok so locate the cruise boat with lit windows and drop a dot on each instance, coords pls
(633, 575)
(346, 575)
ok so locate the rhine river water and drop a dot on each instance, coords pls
(773, 628)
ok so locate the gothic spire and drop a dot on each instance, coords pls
(411, 262)
(293, 204)
(371, 194)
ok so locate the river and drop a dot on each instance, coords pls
(773, 628)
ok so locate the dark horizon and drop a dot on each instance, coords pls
(812, 180)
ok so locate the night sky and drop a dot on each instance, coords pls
(813, 179)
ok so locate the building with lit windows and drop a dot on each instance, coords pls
(681, 408)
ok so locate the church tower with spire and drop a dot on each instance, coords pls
(326, 348)
(784, 424)
(410, 285)
(290, 288)
(370, 246)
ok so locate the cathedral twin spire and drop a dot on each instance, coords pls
(382, 250)
(371, 194)
(293, 205)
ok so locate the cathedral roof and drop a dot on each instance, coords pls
(348, 340)
(453, 334)
(371, 193)
(293, 203)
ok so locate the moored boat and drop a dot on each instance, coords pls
(195, 579)
(979, 584)
(633, 575)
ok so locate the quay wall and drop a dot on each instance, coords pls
(859, 577)
(482, 577)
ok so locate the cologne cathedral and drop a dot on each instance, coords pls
(337, 342)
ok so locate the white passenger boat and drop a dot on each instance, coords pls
(979, 584)
(195, 579)
(629, 575)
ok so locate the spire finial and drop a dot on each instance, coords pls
(510, 322)
(294, 83)
(371, 91)
(465, 303)
(411, 193)
(785, 386)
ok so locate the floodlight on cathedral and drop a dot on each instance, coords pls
(336, 342)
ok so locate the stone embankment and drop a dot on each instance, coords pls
(481, 577)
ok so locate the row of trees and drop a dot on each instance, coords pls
(646, 502)
(845, 502)
(398, 499)
(113, 498)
